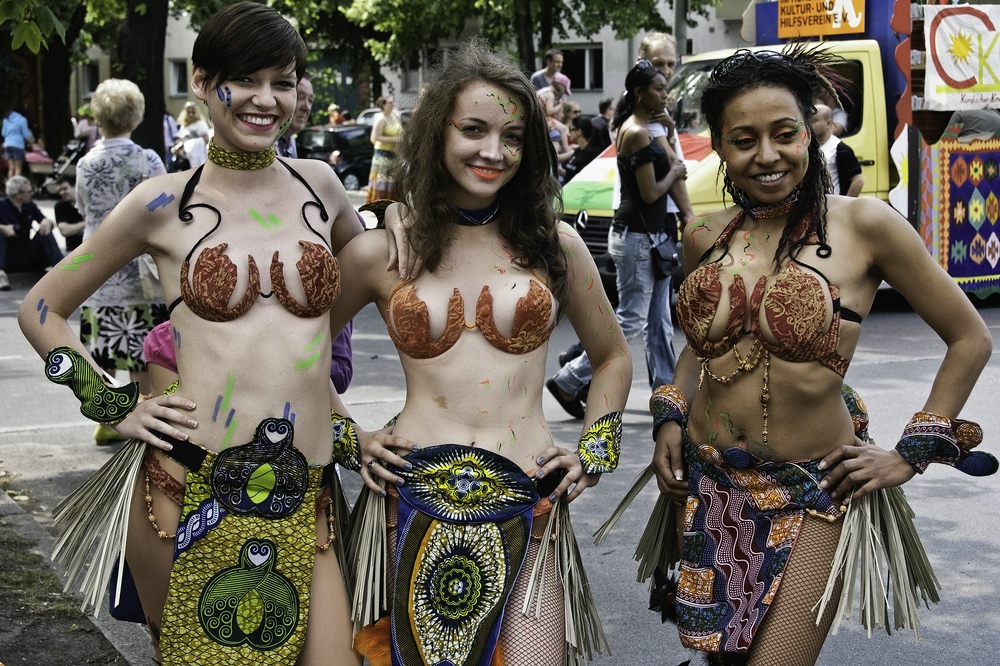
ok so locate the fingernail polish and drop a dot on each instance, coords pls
(400, 482)
(416, 447)
(553, 497)
(540, 473)
(408, 467)
(541, 461)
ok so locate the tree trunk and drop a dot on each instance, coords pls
(57, 70)
(545, 21)
(140, 52)
(525, 31)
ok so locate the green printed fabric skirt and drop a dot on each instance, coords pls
(244, 555)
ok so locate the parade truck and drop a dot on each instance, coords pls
(921, 101)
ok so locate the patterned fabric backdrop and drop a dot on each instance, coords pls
(961, 185)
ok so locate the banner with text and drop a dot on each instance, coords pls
(963, 57)
(820, 18)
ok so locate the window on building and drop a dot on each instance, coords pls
(178, 78)
(90, 77)
(584, 65)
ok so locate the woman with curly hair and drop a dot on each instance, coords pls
(489, 486)
(759, 435)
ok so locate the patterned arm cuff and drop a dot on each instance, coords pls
(667, 404)
(930, 438)
(601, 445)
(346, 451)
(99, 402)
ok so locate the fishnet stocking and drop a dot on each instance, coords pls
(527, 641)
(789, 634)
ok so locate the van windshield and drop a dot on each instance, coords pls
(684, 95)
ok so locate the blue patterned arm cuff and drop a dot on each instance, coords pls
(667, 404)
(930, 438)
(98, 400)
(601, 445)
(346, 451)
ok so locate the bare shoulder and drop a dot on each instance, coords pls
(570, 239)
(634, 137)
(872, 222)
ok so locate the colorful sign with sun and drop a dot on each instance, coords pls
(963, 57)
(820, 18)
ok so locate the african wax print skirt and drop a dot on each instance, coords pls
(463, 524)
(244, 554)
(741, 522)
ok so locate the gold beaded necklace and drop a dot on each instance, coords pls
(240, 161)
(745, 364)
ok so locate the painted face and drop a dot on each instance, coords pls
(654, 96)
(483, 140)
(663, 55)
(764, 143)
(253, 110)
(303, 107)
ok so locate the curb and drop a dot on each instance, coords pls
(131, 642)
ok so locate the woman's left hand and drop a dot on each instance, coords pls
(555, 458)
(379, 448)
(860, 468)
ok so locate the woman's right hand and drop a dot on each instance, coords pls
(668, 462)
(379, 448)
(156, 415)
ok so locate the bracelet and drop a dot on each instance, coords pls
(99, 401)
(601, 445)
(346, 451)
(930, 438)
(667, 404)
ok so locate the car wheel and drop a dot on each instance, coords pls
(351, 181)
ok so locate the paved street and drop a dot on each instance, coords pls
(45, 441)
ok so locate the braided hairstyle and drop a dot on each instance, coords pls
(802, 71)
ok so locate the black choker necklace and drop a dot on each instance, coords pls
(479, 216)
(768, 211)
(240, 161)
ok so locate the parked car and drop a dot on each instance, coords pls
(367, 117)
(347, 148)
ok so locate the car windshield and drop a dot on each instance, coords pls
(684, 95)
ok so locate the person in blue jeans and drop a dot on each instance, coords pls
(649, 167)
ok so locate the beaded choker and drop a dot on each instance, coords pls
(768, 211)
(240, 161)
(479, 216)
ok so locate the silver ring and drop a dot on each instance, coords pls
(372, 463)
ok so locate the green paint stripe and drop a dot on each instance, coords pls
(229, 434)
(307, 363)
(227, 396)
